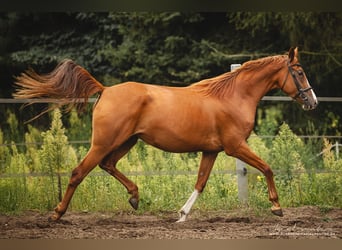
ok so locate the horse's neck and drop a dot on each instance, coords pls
(252, 86)
(247, 92)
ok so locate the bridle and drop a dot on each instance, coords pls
(301, 92)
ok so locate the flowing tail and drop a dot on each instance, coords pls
(71, 84)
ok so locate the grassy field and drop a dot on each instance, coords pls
(34, 176)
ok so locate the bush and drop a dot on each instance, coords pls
(286, 152)
(34, 177)
(14, 191)
(4, 153)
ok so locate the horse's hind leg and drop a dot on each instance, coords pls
(109, 165)
(93, 157)
(206, 165)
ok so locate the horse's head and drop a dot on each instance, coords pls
(297, 86)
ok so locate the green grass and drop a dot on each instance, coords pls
(28, 179)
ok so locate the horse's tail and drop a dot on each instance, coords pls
(71, 84)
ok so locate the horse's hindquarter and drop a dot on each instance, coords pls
(117, 113)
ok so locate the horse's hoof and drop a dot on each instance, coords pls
(57, 214)
(53, 218)
(278, 212)
(182, 217)
(134, 202)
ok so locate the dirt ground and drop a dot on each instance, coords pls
(297, 223)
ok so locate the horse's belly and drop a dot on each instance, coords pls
(181, 143)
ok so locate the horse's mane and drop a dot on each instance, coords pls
(219, 85)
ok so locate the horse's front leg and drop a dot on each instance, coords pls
(206, 165)
(245, 154)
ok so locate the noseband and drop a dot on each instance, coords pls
(301, 91)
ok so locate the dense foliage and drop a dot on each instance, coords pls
(174, 48)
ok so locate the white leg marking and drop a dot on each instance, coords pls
(187, 206)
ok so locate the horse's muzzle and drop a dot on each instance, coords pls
(310, 105)
(308, 99)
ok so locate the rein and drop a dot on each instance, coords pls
(301, 91)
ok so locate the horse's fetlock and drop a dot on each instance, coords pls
(134, 191)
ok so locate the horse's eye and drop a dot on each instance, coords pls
(300, 73)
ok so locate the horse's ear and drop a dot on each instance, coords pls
(293, 52)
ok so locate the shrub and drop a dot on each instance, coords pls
(34, 179)
(13, 190)
(4, 153)
(56, 155)
(286, 153)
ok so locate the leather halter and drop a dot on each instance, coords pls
(301, 91)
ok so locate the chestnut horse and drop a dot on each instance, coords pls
(209, 116)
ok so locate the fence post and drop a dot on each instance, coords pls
(234, 66)
(241, 169)
(242, 181)
(337, 150)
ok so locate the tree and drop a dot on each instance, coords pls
(173, 48)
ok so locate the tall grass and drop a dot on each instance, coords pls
(35, 176)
